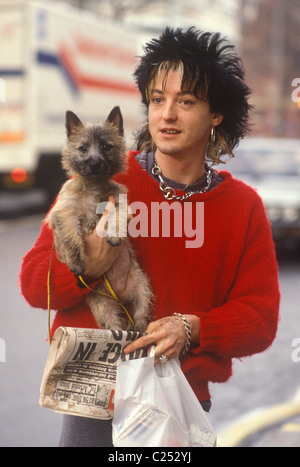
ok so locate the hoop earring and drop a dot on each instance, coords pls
(213, 135)
(213, 152)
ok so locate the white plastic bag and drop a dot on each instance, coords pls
(155, 406)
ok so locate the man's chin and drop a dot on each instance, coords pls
(169, 150)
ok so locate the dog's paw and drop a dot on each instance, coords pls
(113, 241)
(78, 268)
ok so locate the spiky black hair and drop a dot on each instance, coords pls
(212, 71)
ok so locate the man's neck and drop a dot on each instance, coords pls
(185, 170)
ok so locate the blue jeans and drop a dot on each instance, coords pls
(85, 432)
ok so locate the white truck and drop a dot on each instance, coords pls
(55, 58)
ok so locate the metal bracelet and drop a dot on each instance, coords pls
(187, 331)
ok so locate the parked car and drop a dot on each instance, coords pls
(272, 166)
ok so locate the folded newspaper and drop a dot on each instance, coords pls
(80, 372)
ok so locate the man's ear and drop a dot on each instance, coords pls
(217, 119)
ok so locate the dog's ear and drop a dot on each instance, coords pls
(72, 122)
(115, 117)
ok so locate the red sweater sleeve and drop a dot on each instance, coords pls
(247, 323)
(34, 272)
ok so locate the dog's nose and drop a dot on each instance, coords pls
(97, 165)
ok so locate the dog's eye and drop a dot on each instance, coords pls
(83, 148)
(107, 146)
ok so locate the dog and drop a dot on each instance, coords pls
(93, 154)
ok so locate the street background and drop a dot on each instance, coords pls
(267, 36)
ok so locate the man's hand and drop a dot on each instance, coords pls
(168, 335)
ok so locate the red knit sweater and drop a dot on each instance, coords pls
(230, 281)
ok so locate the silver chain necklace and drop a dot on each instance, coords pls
(170, 193)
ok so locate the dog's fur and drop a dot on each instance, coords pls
(94, 154)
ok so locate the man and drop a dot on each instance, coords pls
(223, 289)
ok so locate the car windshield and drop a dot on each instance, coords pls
(266, 161)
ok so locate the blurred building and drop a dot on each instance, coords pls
(154, 15)
(271, 53)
